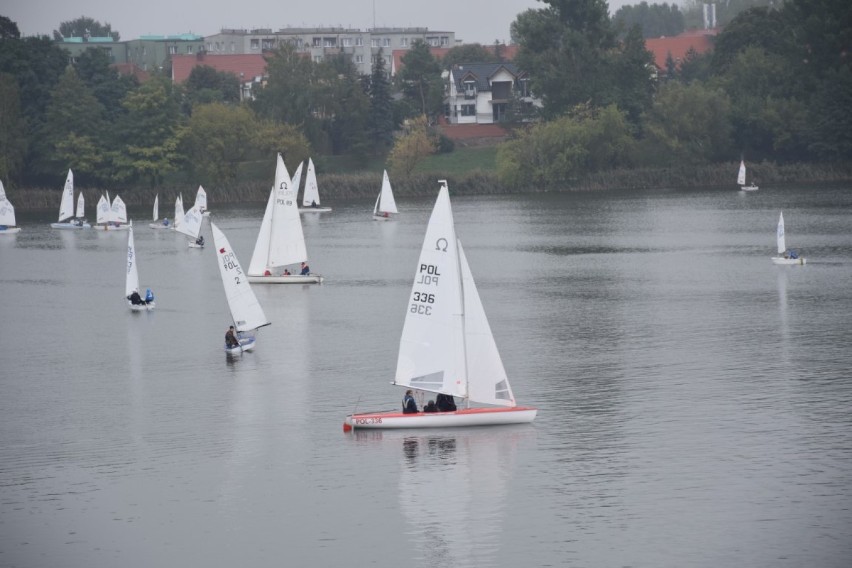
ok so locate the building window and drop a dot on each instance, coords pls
(267, 44)
(386, 42)
(434, 41)
(173, 50)
(347, 42)
(374, 42)
(189, 49)
(233, 47)
(468, 110)
(403, 42)
(255, 44)
(445, 41)
(317, 58)
(469, 89)
(316, 42)
(329, 42)
(359, 59)
(359, 41)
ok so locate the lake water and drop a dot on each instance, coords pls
(695, 401)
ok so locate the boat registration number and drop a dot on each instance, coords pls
(365, 421)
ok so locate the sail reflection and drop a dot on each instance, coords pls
(453, 490)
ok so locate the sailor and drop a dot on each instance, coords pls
(200, 240)
(149, 296)
(230, 338)
(409, 405)
(305, 269)
(445, 403)
(135, 298)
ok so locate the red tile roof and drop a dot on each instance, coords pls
(699, 40)
(131, 69)
(246, 67)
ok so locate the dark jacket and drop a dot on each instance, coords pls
(445, 403)
(409, 405)
(230, 340)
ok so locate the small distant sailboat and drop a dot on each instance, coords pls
(385, 203)
(741, 179)
(179, 213)
(190, 226)
(7, 214)
(246, 312)
(201, 201)
(281, 241)
(112, 216)
(66, 208)
(446, 345)
(311, 197)
(157, 224)
(785, 256)
(131, 285)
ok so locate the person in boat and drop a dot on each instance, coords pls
(314, 204)
(200, 240)
(305, 269)
(430, 407)
(135, 298)
(267, 272)
(793, 254)
(165, 221)
(445, 403)
(230, 338)
(285, 273)
(409, 405)
(149, 296)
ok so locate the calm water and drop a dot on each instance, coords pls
(695, 400)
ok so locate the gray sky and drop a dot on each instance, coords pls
(480, 21)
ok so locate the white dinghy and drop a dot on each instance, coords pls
(7, 214)
(190, 226)
(741, 179)
(311, 197)
(281, 241)
(131, 284)
(158, 224)
(201, 201)
(385, 203)
(111, 216)
(246, 312)
(785, 256)
(179, 213)
(447, 346)
(66, 208)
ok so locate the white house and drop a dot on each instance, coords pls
(479, 93)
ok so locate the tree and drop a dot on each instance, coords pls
(352, 108)
(217, 139)
(85, 27)
(109, 87)
(411, 147)
(37, 64)
(420, 79)
(655, 20)
(469, 53)
(207, 85)
(9, 29)
(381, 108)
(13, 128)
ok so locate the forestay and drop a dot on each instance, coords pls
(245, 309)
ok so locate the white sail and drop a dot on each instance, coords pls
(260, 256)
(297, 178)
(178, 211)
(431, 349)
(81, 206)
(311, 195)
(779, 237)
(190, 225)
(741, 176)
(118, 211)
(201, 198)
(66, 208)
(103, 210)
(245, 309)
(386, 203)
(486, 376)
(132, 282)
(7, 211)
(156, 213)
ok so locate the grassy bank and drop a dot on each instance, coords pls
(470, 171)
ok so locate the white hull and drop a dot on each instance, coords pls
(193, 245)
(141, 307)
(457, 419)
(292, 279)
(787, 261)
(70, 226)
(205, 214)
(159, 226)
(10, 231)
(382, 217)
(112, 227)
(314, 209)
(748, 188)
(246, 344)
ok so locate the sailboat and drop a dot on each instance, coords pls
(190, 226)
(310, 197)
(179, 214)
(66, 207)
(446, 345)
(741, 179)
(7, 214)
(201, 201)
(131, 283)
(157, 224)
(245, 309)
(785, 256)
(111, 216)
(280, 241)
(385, 203)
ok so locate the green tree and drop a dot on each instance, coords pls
(468, 53)
(13, 129)
(688, 124)
(349, 126)
(109, 87)
(420, 79)
(217, 139)
(207, 85)
(9, 29)
(550, 154)
(381, 125)
(151, 130)
(85, 27)
(37, 64)
(655, 20)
